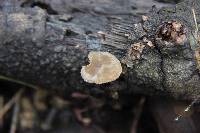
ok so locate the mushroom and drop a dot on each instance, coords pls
(103, 68)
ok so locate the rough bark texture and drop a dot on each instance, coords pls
(48, 48)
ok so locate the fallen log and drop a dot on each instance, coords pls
(40, 49)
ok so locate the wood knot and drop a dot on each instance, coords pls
(172, 31)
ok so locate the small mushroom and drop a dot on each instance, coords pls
(103, 68)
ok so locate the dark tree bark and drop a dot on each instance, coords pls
(48, 48)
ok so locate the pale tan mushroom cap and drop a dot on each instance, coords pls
(103, 68)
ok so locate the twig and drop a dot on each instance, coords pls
(10, 103)
(195, 22)
(48, 122)
(1, 106)
(186, 109)
(18, 82)
(137, 115)
(15, 117)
